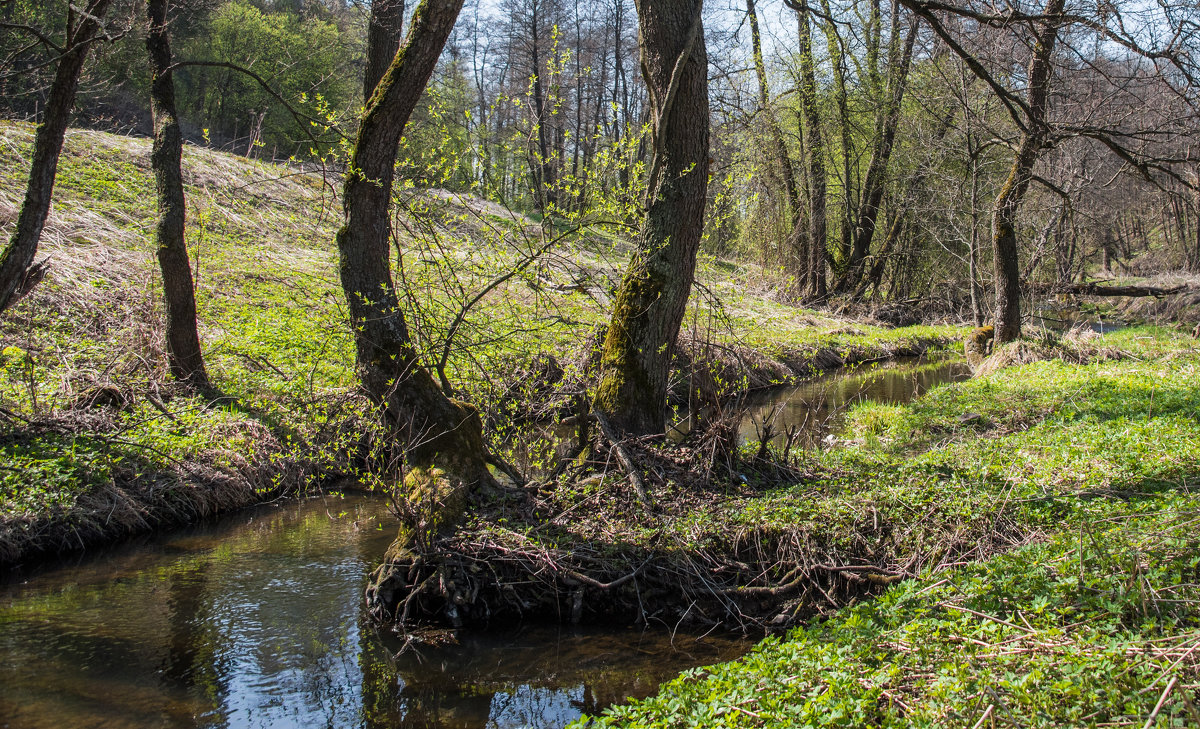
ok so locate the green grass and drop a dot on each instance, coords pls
(1097, 464)
(273, 322)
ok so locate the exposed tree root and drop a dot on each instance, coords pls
(599, 555)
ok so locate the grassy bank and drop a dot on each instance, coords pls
(97, 443)
(1090, 616)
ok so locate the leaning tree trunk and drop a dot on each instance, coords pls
(1004, 212)
(183, 341)
(443, 438)
(653, 295)
(17, 274)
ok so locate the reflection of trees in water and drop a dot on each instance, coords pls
(250, 625)
(816, 406)
(189, 666)
(431, 706)
(535, 677)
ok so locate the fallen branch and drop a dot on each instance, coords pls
(985, 616)
(590, 582)
(1161, 700)
(1095, 289)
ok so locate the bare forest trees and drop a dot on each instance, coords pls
(650, 302)
(815, 156)
(1098, 80)
(84, 28)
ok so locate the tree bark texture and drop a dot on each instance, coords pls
(183, 342)
(652, 298)
(17, 259)
(384, 34)
(1004, 211)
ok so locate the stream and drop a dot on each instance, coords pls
(256, 620)
(816, 407)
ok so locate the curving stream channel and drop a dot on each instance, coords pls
(255, 620)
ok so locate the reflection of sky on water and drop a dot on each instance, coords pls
(529, 706)
(288, 660)
(256, 622)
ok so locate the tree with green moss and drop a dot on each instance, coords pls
(652, 297)
(445, 455)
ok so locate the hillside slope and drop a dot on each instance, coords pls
(96, 442)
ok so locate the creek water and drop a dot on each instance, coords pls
(1060, 317)
(815, 408)
(255, 620)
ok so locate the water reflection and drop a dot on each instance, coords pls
(815, 408)
(256, 622)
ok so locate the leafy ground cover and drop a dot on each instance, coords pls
(96, 442)
(1093, 619)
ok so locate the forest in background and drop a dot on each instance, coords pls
(859, 145)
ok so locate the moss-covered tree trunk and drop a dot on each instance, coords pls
(183, 341)
(651, 300)
(1004, 212)
(17, 260)
(444, 450)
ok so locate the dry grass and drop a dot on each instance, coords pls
(1077, 346)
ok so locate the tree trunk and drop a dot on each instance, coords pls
(1004, 212)
(541, 166)
(782, 158)
(651, 300)
(837, 61)
(384, 33)
(973, 253)
(445, 453)
(17, 274)
(815, 155)
(1196, 249)
(183, 342)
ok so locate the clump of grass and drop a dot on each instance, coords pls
(1079, 346)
